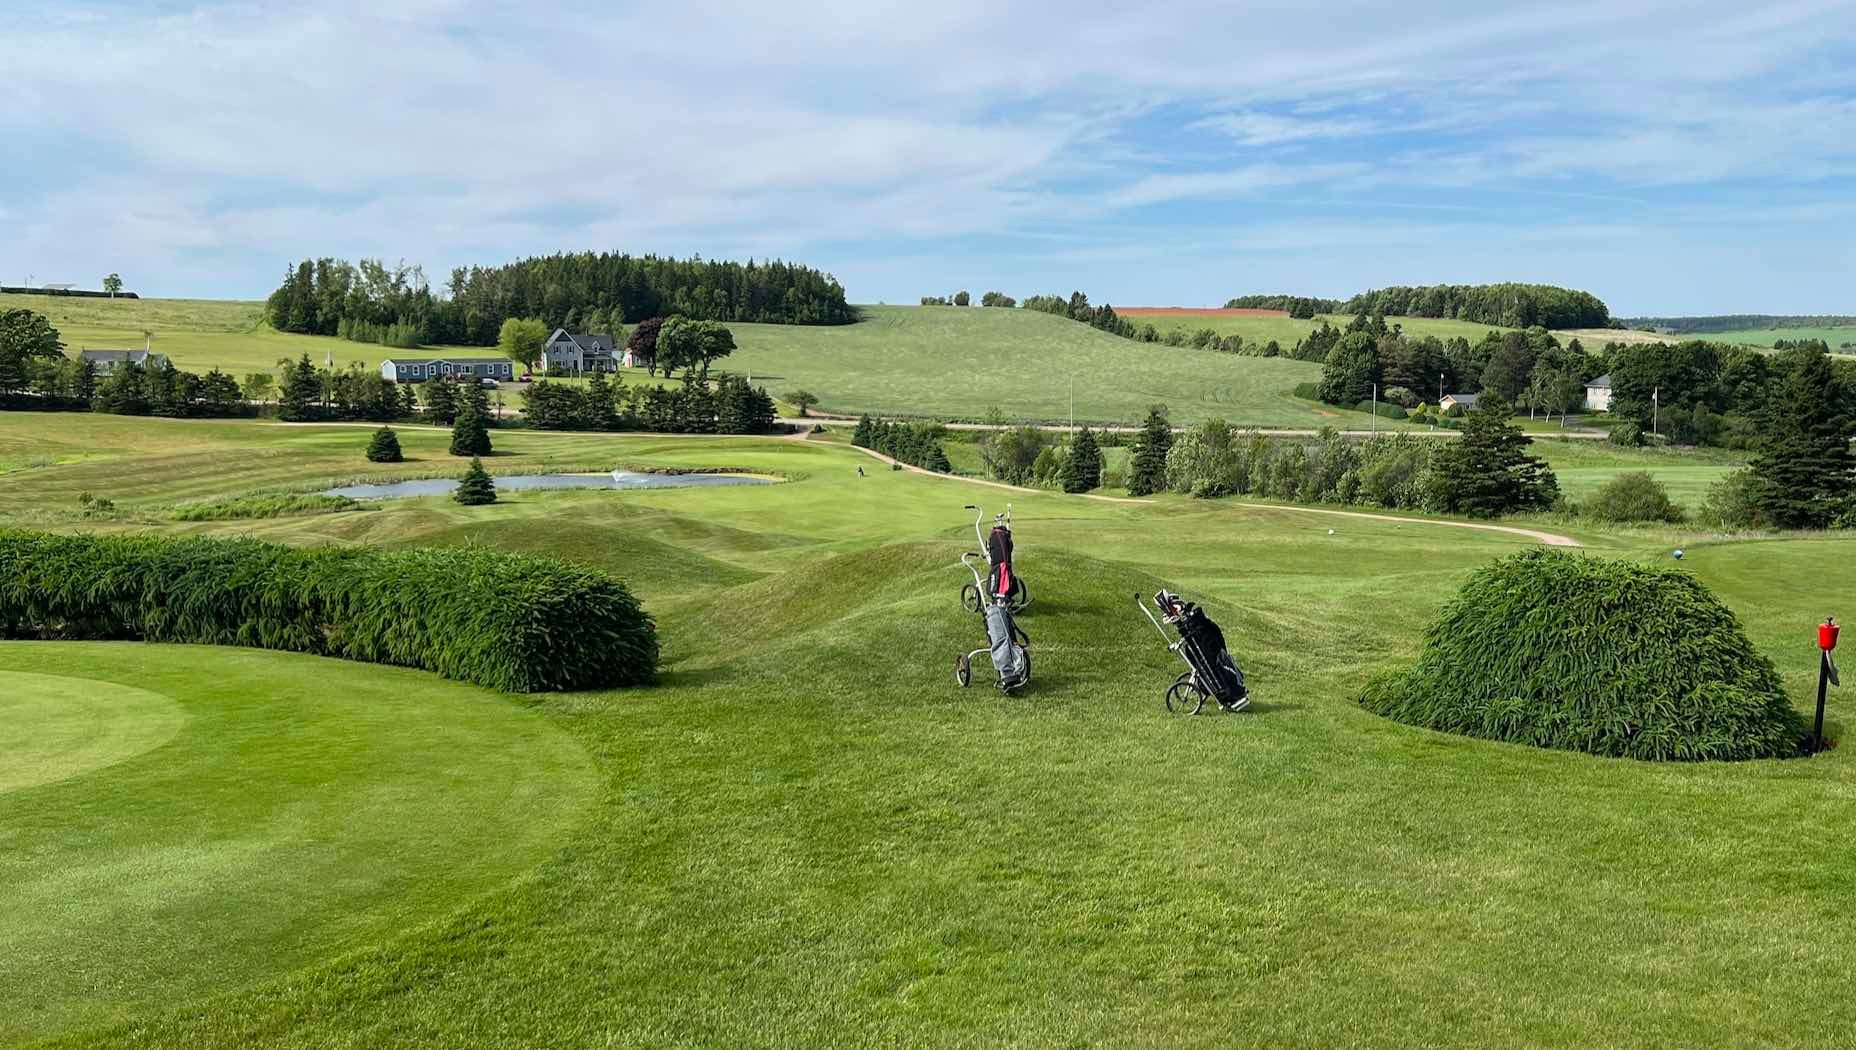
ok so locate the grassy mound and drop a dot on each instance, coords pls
(501, 620)
(1560, 651)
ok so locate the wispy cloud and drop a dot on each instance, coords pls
(197, 147)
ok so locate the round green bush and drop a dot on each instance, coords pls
(1612, 658)
(1633, 496)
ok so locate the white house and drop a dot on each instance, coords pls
(418, 370)
(1598, 394)
(1467, 401)
(580, 352)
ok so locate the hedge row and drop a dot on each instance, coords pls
(501, 620)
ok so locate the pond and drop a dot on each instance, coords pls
(618, 479)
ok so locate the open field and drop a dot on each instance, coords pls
(807, 835)
(955, 363)
(1842, 338)
(1583, 466)
(1286, 330)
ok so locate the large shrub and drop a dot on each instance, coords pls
(1607, 657)
(502, 620)
(1633, 496)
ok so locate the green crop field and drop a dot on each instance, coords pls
(957, 363)
(808, 835)
(1286, 330)
(1839, 339)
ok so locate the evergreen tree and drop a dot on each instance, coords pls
(1352, 368)
(866, 430)
(1804, 471)
(385, 447)
(1082, 468)
(441, 400)
(936, 459)
(1151, 446)
(296, 402)
(597, 411)
(124, 391)
(476, 488)
(469, 435)
(1488, 473)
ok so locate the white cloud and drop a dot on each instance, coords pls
(207, 145)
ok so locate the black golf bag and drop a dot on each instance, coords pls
(1202, 644)
(999, 554)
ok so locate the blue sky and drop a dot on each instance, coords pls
(1672, 158)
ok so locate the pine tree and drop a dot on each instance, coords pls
(385, 447)
(1488, 472)
(936, 459)
(865, 432)
(469, 435)
(1804, 471)
(1149, 467)
(441, 400)
(1082, 468)
(476, 488)
(596, 410)
(301, 390)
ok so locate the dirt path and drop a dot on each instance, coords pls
(1551, 539)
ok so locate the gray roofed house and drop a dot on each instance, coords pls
(1468, 401)
(105, 361)
(579, 352)
(1598, 394)
(420, 369)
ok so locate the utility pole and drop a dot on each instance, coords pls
(1656, 411)
(1375, 408)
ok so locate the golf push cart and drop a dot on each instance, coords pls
(1002, 583)
(1009, 646)
(1210, 670)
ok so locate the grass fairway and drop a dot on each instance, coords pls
(180, 821)
(807, 835)
(1582, 467)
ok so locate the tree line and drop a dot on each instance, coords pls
(584, 291)
(730, 407)
(917, 444)
(1737, 322)
(1505, 305)
(1301, 307)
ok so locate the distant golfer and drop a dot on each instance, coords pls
(860, 472)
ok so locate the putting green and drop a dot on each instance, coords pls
(53, 728)
(234, 815)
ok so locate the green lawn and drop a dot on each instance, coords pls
(181, 821)
(807, 835)
(1583, 466)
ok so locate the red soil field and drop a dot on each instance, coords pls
(1194, 311)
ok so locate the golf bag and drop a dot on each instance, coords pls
(1204, 649)
(1010, 657)
(999, 555)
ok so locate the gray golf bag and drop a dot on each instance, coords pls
(1008, 646)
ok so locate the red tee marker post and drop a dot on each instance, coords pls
(1826, 674)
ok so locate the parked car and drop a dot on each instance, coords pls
(487, 382)
(526, 377)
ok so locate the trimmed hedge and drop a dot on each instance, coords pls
(505, 621)
(1610, 658)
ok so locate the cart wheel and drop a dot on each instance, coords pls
(970, 597)
(1019, 598)
(963, 670)
(1185, 697)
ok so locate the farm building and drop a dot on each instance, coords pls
(411, 370)
(1598, 394)
(106, 361)
(580, 352)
